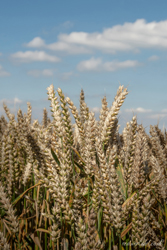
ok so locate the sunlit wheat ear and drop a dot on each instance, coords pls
(96, 196)
(132, 147)
(58, 123)
(161, 136)
(159, 152)
(21, 128)
(140, 220)
(29, 111)
(45, 118)
(89, 153)
(158, 149)
(68, 132)
(77, 138)
(103, 195)
(103, 114)
(84, 110)
(151, 185)
(120, 143)
(117, 198)
(77, 202)
(76, 115)
(145, 209)
(137, 174)
(27, 173)
(10, 212)
(46, 182)
(113, 112)
(3, 124)
(136, 224)
(63, 188)
(10, 176)
(91, 233)
(93, 241)
(129, 138)
(103, 165)
(4, 154)
(81, 232)
(146, 149)
(7, 111)
(3, 242)
(55, 233)
(159, 171)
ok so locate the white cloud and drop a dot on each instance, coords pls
(3, 72)
(97, 65)
(68, 48)
(139, 110)
(37, 42)
(38, 73)
(17, 100)
(96, 110)
(34, 56)
(90, 65)
(11, 101)
(113, 66)
(157, 116)
(153, 58)
(126, 37)
(164, 110)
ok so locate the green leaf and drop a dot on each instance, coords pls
(119, 171)
(21, 195)
(55, 157)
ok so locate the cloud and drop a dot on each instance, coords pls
(68, 48)
(97, 65)
(96, 110)
(38, 73)
(11, 101)
(157, 116)
(164, 110)
(3, 72)
(126, 37)
(90, 65)
(17, 100)
(37, 42)
(139, 110)
(34, 56)
(153, 58)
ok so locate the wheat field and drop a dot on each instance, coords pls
(81, 186)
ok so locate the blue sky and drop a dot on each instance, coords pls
(94, 45)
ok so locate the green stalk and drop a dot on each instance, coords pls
(110, 232)
(19, 245)
(120, 245)
(45, 221)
